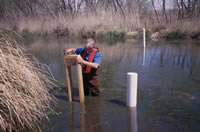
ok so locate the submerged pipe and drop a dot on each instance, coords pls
(143, 60)
(131, 99)
(133, 119)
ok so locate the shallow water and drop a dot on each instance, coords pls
(168, 88)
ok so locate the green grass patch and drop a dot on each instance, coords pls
(112, 35)
(27, 36)
(147, 33)
(195, 35)
(175, 35)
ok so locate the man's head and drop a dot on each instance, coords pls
(90, 43)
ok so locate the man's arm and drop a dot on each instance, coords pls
(91, 64)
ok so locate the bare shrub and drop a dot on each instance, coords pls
(24, 97)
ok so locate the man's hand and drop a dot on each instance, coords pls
(79, 59)
(70, 51)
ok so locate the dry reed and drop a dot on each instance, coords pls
(76, 24)
(98, 23)
(24, 97)
(187, 26)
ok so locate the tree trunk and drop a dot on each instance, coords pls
(182, 9)
(155, 11)
(115, 7)
(164, 12)
(120, 6)
(64, 9)
(179, 10)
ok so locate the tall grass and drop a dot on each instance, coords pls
(187, 25)
(75, 24)
(24, 97)
(93, 25)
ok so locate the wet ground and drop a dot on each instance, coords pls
(168, 88)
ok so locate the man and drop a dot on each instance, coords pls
(90, 58)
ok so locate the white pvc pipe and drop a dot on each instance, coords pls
(144, 37)
(131, 99)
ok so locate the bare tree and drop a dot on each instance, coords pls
(155, 10)
(164, 10)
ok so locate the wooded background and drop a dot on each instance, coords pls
(152, 9)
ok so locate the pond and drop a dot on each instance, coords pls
(168, 88)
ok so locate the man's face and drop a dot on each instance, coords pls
(89, 50)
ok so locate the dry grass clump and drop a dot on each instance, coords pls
(76, 24)
(24, 97)
(188, 26)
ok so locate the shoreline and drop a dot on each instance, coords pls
(26, 36)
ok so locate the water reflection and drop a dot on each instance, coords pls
(92, 119)
(182, 56)
(84, 118)
(144, 57)
(133, 120)
(77, 122)
(168, 96)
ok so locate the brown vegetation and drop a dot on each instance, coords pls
(79, 24)
(80, 17)
(24, 97)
